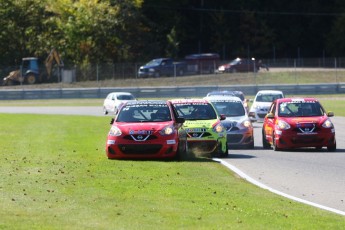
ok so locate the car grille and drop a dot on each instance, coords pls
(198, 134)
(262, 115)
(234, 138)
(143, 149)
(138, 137)
(231, 127)
(306, 128)
(305, 139)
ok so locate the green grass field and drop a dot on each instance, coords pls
(55, 175)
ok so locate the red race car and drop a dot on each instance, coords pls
(146, 129)
(297, 123)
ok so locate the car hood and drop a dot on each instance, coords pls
(261, 104)
(199, 123)
(135, 127)
(234, 119)
(300, 121)
(147, 66)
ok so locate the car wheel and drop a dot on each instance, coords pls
(182, 152)
(265, 144)
(234, 70)
(275, 148)
(157, 74)
(219, 153)
(332, 148)
(105, 112)
(251, 145)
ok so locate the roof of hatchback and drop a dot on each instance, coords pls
(292, 99)
(270, 91)
(190, 100)
(147, 102)
(222, 98)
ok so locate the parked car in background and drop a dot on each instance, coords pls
(204, 63)
(235, 93)
(114, 100)
(242, 65)
(297, 123)
(162, 67)
(239, 65)
(146, 129)
(262, 102)
(239, 128)
(206, 136)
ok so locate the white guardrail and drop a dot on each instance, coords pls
(166, 92)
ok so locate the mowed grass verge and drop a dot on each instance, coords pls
(55, 175)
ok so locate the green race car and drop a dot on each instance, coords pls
(205, 133)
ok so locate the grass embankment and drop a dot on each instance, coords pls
(274, 76)
(55, 175)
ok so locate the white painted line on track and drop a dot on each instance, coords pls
(251, 180)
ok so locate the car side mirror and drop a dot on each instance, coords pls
(222, 117)
(180, 120)
(330, 114)
(112, 121)
(270, 115)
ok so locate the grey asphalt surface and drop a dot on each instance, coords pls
(315, 176)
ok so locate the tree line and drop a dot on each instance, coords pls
(98, 31)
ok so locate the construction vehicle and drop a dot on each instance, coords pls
(30, 72)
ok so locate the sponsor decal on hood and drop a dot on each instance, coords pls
(203, 123)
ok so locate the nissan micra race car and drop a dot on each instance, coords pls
(206, 136)
(239, 128)
(146, 129)
(297, 123)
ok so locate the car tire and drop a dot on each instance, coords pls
(219, 153)
(181, 154)
(275, 148)
(265, 144)
(234, 70)
(332, 148)
(157, 74)
(251, 145)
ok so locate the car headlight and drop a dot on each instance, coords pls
(115, 131)
(247, 124)
(255, 107)
(283, 125)
(218, 128)
(167, 130)
(221, 68)
(327, 124)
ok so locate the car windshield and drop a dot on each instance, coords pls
(235, 62)
(229, 108)
(268, 97)
(154, 62)
(300, 109)
(125, 97)
(196, 111)
(138, 112)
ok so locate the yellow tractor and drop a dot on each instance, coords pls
(30, 73)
